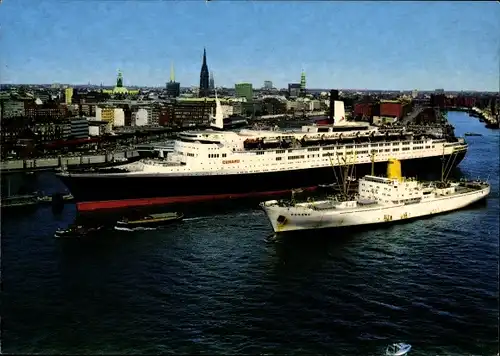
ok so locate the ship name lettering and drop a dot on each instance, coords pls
(231, 161)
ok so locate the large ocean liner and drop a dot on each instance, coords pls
(218, 164)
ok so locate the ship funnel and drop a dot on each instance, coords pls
(394, 169)
(339, 116)
(334, 96)
(336, 113)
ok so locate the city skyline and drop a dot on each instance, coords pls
(342, 45)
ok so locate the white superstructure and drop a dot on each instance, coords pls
(210, 152)
(379, 200)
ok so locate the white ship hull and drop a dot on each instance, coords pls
(300, 217)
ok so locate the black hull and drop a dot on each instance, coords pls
(160, 190)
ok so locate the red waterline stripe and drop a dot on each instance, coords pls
(128, 203)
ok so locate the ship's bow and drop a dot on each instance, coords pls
(278, 216)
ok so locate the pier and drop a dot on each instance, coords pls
(47, 164)
(486, 116)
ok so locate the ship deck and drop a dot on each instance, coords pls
(336, 204)
(468, 188)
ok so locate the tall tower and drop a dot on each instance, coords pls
(204, 76)
(119, 79)
(303, 84)
(172, 73)
(211, 82)
(173, 87)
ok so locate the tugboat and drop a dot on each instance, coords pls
(152, 220)
(50, 198)
(472, 134)
(76, 231)
(17, 201)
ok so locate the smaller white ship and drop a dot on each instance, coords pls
(399, 349)
(378, 200)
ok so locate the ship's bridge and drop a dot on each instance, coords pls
(386, 190)
(351, 126)
(207, 136)
(226, 140)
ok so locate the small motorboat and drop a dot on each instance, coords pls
(398, 349)
(152, 220)
(54, 197)
(76, 231)
(472, 134)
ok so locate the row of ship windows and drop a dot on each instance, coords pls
(359, 146)
(387, 194)
(377, 192)
(385, 188)
(363, 146)
(368, 145)
(216, 155)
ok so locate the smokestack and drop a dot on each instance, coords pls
(334, 96)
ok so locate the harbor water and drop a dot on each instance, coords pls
(213, 285)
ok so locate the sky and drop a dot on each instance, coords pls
(399, 45)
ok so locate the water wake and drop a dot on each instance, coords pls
(118, 228)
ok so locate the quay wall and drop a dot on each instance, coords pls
(52, 163)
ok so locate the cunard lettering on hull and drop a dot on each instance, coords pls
(217, 163)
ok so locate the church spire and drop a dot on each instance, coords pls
(119, 79)
(204, 85)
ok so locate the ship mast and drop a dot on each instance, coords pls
(373, 162)
(446, 168)
(442, 166)
(346, 170)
